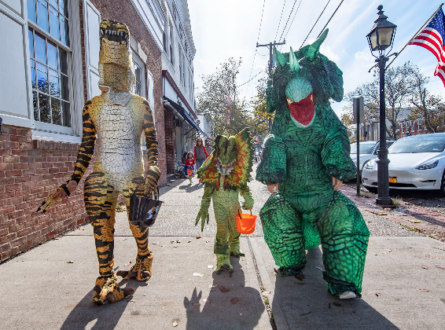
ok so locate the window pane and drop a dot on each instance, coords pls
(65, 88)
(56, 111)
(42, 80)
(36, 106)
(32, 10)
(54, 21)
(54, 3)
(66, 114)
(63, 61)
(54, 86)
(52, 55)
(33, 74)
(63, 7)
(44, 108)
(40, 48)
(64, 37)
(31, 43)
(42, 9)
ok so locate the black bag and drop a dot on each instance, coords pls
(144, 210)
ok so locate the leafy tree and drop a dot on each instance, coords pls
(219, 93)
(258, 120)
(399, 86)
(429, 107)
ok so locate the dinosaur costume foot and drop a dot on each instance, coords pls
(107, 290)
(141, 271)
(289, 271)
(237, 255)
(347, 295)
(223, 263)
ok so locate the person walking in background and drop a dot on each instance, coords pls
(200, 154)
(189, 168)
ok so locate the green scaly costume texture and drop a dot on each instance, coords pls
(225, 189)
(303, 160)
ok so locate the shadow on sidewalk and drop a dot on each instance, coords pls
(191, 188)
(219, 311)
(106, 316)
(308, 305)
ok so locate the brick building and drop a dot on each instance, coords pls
(50, 55)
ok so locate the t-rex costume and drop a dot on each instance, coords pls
(118, 118)
(307, 150)
(225, 175)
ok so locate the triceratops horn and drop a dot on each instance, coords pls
(279, 58)
(293, 62)
(315, 47)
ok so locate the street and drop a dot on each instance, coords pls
(52, 283)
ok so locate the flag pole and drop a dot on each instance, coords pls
(429, 19)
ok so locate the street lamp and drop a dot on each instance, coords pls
(379, 39)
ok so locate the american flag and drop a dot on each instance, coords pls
(432, 37)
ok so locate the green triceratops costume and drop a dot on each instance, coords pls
(309, 147)
(225, 174)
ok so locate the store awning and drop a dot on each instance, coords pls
(185, 114)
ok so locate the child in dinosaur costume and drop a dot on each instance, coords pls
(225, 175)
(116, 119)
(306, 158)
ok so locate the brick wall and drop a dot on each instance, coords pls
(124, 11)
(170, 141)
(29, 172)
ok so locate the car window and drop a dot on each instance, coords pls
(417, 144)
(365, 148)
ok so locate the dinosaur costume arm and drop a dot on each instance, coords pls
(86, 149)
(272, 168)
(84, 155)
(203, 213)
(335, 156)
(247, 195)
(153, 171)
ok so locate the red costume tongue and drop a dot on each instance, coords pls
(303, 111)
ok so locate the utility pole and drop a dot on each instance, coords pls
(271, 45)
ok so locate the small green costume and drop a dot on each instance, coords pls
(307, 148)
(225, 174)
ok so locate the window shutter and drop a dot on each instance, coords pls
(14, 88)
(92, 47)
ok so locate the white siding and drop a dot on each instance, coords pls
(92, 46)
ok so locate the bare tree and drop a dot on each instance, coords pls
(428, 107)
(399, 87)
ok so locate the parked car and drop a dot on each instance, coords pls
(368, 151)
(416, 163)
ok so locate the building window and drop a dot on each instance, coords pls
(49, 61)
(419, 125)
(138, 81)
(407, 127)
(402, 130)
(184, 71)
(412, 126)
(172, 56)
(164, 40)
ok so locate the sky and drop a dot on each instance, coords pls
(231, 28)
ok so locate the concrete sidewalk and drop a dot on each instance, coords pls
(50, 287)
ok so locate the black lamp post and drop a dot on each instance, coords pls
(380, 38)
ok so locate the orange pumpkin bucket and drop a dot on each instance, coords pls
(245, 223)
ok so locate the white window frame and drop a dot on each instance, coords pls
(412, 126)
(419, 124)
(402, 128)
(46, 131)
(172, 44)
(138, 61)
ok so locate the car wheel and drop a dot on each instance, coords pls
(372, 189)
(442, 185)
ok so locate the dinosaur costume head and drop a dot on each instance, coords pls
(232, 157)
(308, 78)
(115, 63)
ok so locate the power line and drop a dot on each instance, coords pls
(290, 14)
(330, 19)
(281, 16)
(258, 38)
(314, 24)
(293, 19)
(250, 79)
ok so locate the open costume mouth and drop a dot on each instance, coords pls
(225, 169)
(302, 112)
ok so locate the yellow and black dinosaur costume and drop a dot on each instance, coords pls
(114, 123)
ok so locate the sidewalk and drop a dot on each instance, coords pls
(50, 287)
